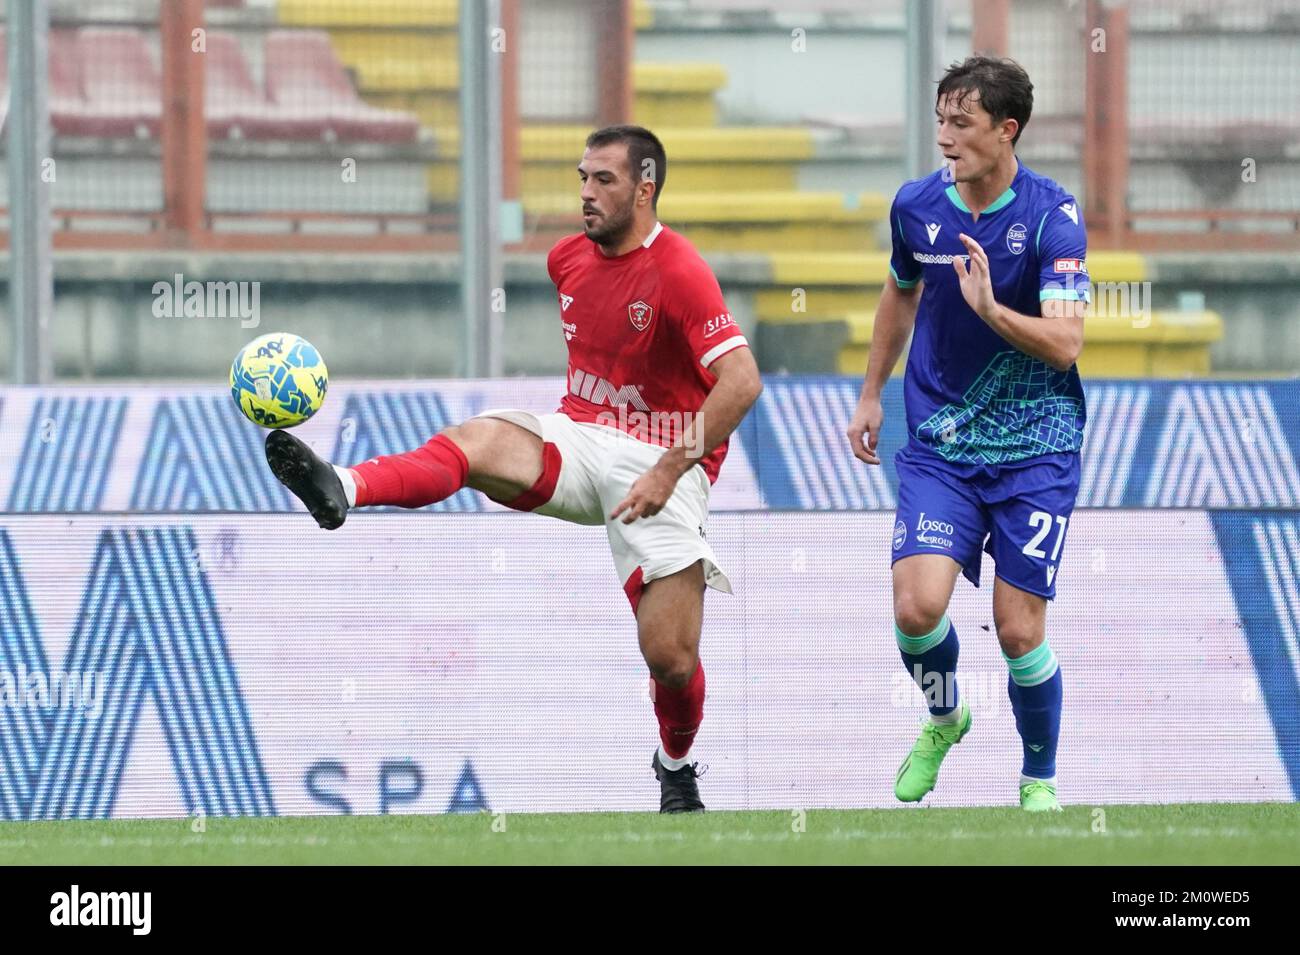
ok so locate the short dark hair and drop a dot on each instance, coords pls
(1003, 86)
(641, 145)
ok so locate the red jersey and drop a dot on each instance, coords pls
(642, 330)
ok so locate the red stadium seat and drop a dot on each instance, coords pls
(304, 77)
(70, 114)
(236, 108)
(104, 82)
(120, 82)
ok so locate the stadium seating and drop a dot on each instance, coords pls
(71, 113)
(105, 82)
(677, 94)
(304, 76)
(1174, 345)
(375, 73)
(120, 83)
(236, 108)
(731, 188)
(830, 324)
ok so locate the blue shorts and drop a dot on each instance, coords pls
(1016, 512)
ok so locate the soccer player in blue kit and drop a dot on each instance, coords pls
(988, 265)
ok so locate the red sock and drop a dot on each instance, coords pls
(680, 712)
(426, 475)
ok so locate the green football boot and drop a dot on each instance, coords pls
(1039, 796)
(917, 775)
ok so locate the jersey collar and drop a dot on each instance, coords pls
(630, 254)
(1000, 202)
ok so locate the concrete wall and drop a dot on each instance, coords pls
(400, 316)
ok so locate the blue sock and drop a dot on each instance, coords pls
(1035, 690)
(932, 661)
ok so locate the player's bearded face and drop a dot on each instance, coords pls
(608, 195)
(610, 221)
(967, 136)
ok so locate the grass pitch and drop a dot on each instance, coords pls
(1222, 834)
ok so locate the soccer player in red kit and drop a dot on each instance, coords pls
(659, 377)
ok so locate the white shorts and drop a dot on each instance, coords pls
(587, 469)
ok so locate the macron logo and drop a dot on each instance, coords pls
(598, 391)
(1072, 211)
(1051, 572)
(565, 302)
(932, 230)
(102, 908)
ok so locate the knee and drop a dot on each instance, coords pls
(476, 439)
(916, 616)
(672, 669)
(464, 435)
(1016, 642)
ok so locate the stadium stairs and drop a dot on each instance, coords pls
(811, 261)
(732, 190)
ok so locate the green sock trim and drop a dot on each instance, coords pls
(919, 645)
(1035, 667)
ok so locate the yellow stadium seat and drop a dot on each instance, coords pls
(330, 13)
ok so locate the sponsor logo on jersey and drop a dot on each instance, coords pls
(932, 230)
(717, 323)
(1070, 265)
(1016, 236)
(565, 302)
(1071, 210)
(900, 534)
(570, 329)
(598, 391)
(929, 531)
(640, 314)
(925, 258)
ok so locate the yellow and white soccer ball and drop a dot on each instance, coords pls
(278, 380)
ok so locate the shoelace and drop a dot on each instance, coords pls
(931, 736)
(695, 770)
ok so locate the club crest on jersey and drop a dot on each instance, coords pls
(1016, 237)
(640, 314)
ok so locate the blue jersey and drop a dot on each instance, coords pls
(972, 398)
